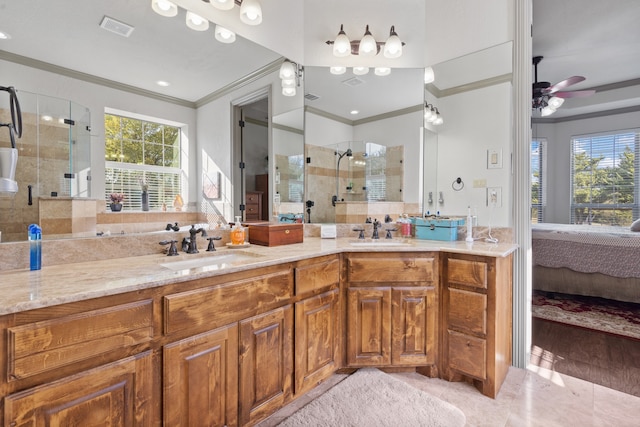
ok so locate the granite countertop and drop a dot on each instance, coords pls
(22, 289)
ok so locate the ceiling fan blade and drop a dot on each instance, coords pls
(566, 83)
(575, 94)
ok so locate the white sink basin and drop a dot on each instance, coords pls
(380, 242)
(210, 261)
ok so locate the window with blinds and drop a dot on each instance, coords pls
(538, 179)
(605, 178)
(142, 155)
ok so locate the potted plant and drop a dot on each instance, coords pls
(116, 201)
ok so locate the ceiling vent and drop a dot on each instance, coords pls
(117, 27)
(353, 81)
(311, 97)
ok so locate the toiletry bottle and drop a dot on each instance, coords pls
(469, 238)
(35, 247)
(237, 233)
(406, 226)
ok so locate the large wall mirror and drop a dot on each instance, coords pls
(363, 144)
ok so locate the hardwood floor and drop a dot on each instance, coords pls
(609, 360)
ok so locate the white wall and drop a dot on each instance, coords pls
(558, 137)
(475, 122)
(97, 98)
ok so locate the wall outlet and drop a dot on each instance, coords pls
(494, 197)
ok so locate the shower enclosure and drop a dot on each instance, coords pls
(54, 159)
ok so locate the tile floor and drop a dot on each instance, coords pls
(533, 397)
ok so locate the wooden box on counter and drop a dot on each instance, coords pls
(275, 234)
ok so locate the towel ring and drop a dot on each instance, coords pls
(457, 184)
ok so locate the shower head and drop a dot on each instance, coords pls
(347, 153)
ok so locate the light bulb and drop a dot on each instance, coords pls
(555, 102)
(337, 70)
(164, 8)
(382, 71)
(288, 82)
(393, 45)
(341, 45)
(287, 70)
(368, 45)
(289, 91)
(547, 111)
(197, 22)
(222, 4)
(251, 12)
(360, 71)
(224, 36)
(429, 76)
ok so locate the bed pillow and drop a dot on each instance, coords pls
(636, 225)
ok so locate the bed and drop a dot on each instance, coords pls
(587, 260)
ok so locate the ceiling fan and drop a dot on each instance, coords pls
(548, 98)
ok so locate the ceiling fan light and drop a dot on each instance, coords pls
(197, 22)
(382, 71)
(224, 36)
(164, 8)
(287, 70)
(555, 102)
(368, 45)
(342, 44)
(222, 4)
(547, 111)
(393, 45)
(337, 70)
(360, 71)
(251, 12)
(289, 91)
(429, 75)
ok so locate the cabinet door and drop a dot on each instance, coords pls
(413, 326)
(368, 326)
(266, 363)
(317, 340)
(116, 394)
(201, 379)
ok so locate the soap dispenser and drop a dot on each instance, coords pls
(237, 233)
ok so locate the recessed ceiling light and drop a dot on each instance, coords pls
(162, 83)
(4, 36)
(354, 112)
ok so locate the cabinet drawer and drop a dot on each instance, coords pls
(253, 198)
(465, 272)
(203, 309)
(45, 346)
(468, 355)
(391, 269)
(317, 278)
(467, 311)
(253, 209)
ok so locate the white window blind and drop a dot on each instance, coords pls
(604, 178)
(538, 179)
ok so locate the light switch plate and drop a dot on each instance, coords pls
(494, 159)
(328, 231)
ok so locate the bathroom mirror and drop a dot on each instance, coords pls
(366, 114)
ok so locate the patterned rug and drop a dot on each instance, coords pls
(614, 317)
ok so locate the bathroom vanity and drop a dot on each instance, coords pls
(229, 339)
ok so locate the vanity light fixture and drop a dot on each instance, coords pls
(382, 71)
(164, 8)
(337, 70)
(368, 46)
(432, 115)
(223, 35)
(290, 76)
(222, 4)
(4, 36)
(251, 12)
(197, 22)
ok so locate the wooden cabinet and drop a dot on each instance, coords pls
(116, 394)
(253, 206)
(266, 364)
(318, 323)
(476, 319)
(391, 309)
(201, 379)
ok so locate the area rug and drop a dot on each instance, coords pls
(614, 317)
(371, 398)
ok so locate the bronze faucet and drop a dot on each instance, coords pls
(193, 246)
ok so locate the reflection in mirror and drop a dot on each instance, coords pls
(288, 149)
(378, 118)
